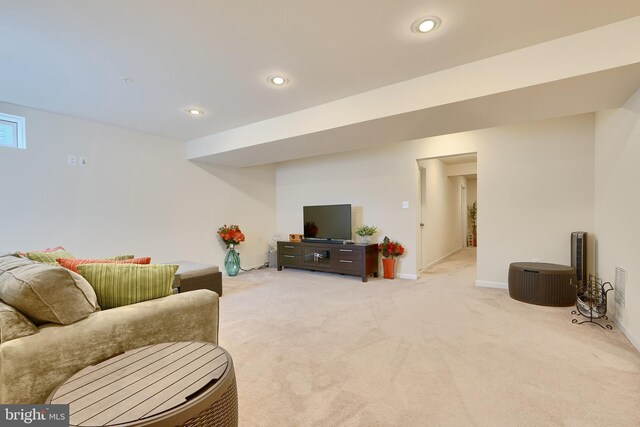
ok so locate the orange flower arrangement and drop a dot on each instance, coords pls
(231, 235)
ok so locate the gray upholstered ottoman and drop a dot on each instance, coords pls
(191, 276)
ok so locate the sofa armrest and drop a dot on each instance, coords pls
(31, 367)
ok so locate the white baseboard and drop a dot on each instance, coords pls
(495, 285)
(407, 276)
(629, 335)
(431, 264)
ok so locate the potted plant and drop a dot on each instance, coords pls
(389, 251)
(364, 233)
(231, 235)
(472, 213)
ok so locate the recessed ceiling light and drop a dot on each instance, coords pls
(278, 80)
(425, 24)
(195, 112)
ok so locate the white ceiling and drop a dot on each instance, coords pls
(68, 56)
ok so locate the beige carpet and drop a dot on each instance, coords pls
(321, 349)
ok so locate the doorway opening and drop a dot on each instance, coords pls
(448, 195)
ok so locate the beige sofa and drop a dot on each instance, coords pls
(32, 367)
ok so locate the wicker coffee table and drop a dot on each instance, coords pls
(183, 383)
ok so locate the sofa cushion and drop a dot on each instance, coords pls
(45, 293)
(73, 263)
(49, 256)
(14, 324)
(122, 257)
(123, 284)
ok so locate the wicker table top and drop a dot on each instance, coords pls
(544, 267)
(136, 386)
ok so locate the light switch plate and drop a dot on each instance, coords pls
(405, 205)
(72, 160)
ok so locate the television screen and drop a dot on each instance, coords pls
(327, 222)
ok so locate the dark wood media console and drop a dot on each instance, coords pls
(356, 260)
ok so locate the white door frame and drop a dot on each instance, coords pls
(423, 203)
(463, 215)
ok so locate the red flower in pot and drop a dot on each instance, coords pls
(389, 251)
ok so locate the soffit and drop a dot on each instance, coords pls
(577, 95)
(459, 159)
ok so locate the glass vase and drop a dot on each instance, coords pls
(232, 262)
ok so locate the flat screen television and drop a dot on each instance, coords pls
(329, 222)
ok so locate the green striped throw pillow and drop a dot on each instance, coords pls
(49, 256)
(122, 257)
(123, 284)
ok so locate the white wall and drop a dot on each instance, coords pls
(138, 194)
(472, 191)
(441, 233)
(375, 182)
(617, 204)
(536, 188)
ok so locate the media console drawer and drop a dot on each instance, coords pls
(356, 259)
(289, 248)
(289, 260)
(351, 254)
(348, 265)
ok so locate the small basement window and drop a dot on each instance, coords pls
(12, 132)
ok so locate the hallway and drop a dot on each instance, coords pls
(462, 262)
